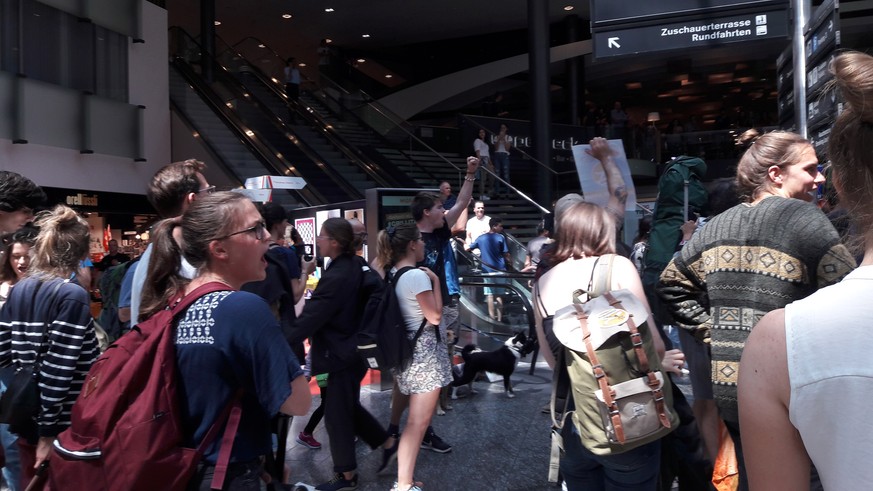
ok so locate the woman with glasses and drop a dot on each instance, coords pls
(46, 324)
(226, 340)
(331, 319)
(418, 290)
(771, 249)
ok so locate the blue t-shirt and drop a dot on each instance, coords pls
(227, 340)
(493, 247)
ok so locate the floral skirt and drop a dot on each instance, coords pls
(430, 368)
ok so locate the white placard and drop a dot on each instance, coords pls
(592, 179)
(275, 182)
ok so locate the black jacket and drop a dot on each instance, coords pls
(332, 316)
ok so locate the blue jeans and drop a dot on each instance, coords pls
(12, 471)
(501, 167)
(635, 469)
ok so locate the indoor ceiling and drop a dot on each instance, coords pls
(701, 81)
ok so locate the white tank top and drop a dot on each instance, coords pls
(830, 370)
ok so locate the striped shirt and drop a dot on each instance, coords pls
(70, 347)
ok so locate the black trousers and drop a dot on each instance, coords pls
(344, 417)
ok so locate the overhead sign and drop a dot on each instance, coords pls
(604, 12)
(691, 34)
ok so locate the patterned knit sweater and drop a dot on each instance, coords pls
(744, 263)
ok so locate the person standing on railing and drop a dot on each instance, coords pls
(480, 146)
(502, 145)
(292, 79)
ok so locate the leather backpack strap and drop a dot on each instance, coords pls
(600, 375)
(652, 380)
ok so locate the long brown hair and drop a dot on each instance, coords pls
(207, 218)
(850, 145)
(583, 229)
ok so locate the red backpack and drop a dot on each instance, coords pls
(126, 429)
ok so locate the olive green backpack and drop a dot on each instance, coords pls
(607, 363)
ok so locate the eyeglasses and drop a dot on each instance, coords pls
(206, 190)
(324, 237)
(260, 230)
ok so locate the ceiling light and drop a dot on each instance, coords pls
(328, 9)
(389, 76)
(361, 60)
(218, 23)
(261, 45)
(568, 7)
(301, 64)
(286, 16)
(365, 35)
(328, 40)
(633, 85)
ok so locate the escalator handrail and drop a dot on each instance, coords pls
(522, 294)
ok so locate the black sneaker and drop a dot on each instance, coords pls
(389, 455)
(339, 483)
(435, 443)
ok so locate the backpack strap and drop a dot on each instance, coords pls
(182, 303)
(231, 415)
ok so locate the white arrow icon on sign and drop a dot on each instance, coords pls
(613, 43)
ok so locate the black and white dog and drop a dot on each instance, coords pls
(501, 361)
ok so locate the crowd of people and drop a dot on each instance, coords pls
(765, 292)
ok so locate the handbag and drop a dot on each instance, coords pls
(21, 401)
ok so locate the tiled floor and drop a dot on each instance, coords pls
(498, 443)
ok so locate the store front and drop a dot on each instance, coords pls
(120, 216)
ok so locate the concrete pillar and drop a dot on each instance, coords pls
(541, 120)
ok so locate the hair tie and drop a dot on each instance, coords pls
(391, 230)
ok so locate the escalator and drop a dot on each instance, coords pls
(230, 148)
(513, 290)
(235, 107)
